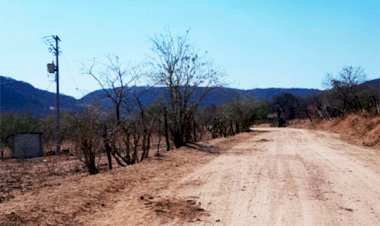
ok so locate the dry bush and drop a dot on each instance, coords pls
(88, 138)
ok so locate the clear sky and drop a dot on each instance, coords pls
(257, 43)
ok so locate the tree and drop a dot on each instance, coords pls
(344, 87)
(260, 111)
(115, 81)
(88, 137)
(12, 123)
(234, 117)
(286, 107)
(47, 126)
(241, 114)
(189, 77)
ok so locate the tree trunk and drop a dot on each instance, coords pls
(119, 159)
(89, 158)
(107, 147)
(308, 115)
(166, 129)
(158, 144)
(178, 139)
(195, 132)
(108, 152)
(92, 168)
(237, 127)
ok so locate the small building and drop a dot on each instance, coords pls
(26, 145)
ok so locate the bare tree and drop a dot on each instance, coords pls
(344, 86)
(189, 77)
(114, 79)
(147, 120)
(116, 82)
(88, 142)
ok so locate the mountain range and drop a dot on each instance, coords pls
(21, 97)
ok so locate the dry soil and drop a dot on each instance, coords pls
(268, 177)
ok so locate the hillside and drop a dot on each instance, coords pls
(217, 96)
(18, 96)
(21, 97)
(373, 82)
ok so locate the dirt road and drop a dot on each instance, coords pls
(278, 177)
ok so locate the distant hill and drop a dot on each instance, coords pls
(217, 96)
(21, 97)
(18, 96)
(150, 95)
(270, 93)
(373, 82)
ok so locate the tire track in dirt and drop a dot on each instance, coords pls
(270, 177)
(286, 177)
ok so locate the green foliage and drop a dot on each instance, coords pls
(235, 117)
(260, 111)
(48, 127)
(287, 106)
(12, 123)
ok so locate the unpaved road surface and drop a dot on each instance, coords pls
(273, 177)
(268, 177)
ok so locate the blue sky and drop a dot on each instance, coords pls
(258, 44)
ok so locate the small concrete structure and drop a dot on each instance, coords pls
(27, 145)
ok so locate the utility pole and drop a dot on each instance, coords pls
(58, 135)
(55, 68)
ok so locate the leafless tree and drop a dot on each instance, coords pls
(88, 142)
(114, 79)
(344, 85)
(121, 138)
(189, 77)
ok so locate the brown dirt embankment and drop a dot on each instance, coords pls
(358, 129)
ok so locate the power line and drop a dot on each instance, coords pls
(67, 66)
(11, 49)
